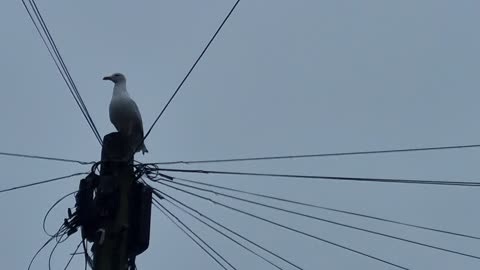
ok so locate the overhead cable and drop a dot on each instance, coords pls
(47, 158)
(286, 227)
(330, 178)
(48, 41)
(177, 223)
(73, 255)
(331, 221)
(41, 182)
(328, 208)
(369, 152)
(176, 204)
(191, 69)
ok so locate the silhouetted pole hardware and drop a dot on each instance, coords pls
(113, 209)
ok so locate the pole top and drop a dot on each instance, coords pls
(116, 147)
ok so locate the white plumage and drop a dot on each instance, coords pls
(124, 113)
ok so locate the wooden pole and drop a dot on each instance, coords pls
(112, 200)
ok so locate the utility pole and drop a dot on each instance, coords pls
(112, 209)
(112, 199)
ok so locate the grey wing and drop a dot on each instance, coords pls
(137, 130)
(138, 123)
(125, 116)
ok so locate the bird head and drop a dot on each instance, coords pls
(116, 78)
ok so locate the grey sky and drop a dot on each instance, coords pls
(283, 77)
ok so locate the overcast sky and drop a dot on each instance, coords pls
(283, 77)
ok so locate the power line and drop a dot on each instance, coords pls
(196, 235)
(230, 230)
(436, 148)
(51, 255)
(73, 254)
(328, 208)
(60, 233)
(88, 260)
(191, 69)
(213, 228)
(331, 222)
(164, 211)
(59, 63)
(286, 227)
(47, 158)
(41, 182)
(336, 178)
(66, 72)
(51, 208)
(39, 250)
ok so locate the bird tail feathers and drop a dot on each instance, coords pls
(144, 149)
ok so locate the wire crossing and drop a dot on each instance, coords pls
(52, 48)
(73, 255)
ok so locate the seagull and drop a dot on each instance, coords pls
(124, 113)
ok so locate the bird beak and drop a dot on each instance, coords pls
(107, 78)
